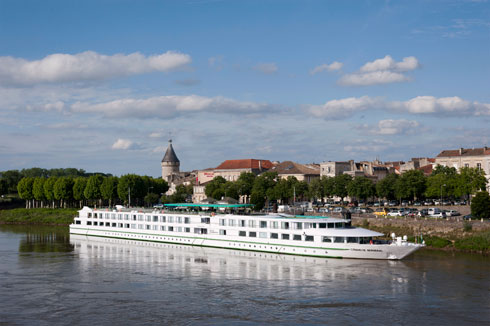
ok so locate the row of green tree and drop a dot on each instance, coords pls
(411, 185)
(10, 178)
(99, 190)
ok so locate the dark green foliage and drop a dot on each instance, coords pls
(92, 189)
(24, 187)
(437, 242)
(478, 242)
(79, 188)
(245, 183)
(12, 177)
(385, 188)
(132, 184)
(341, 182)
(410, 185)
(4, 187)
(38, 189)
(108, 188)
(361, 188)
(49, 188)
(467, 226)
(215, 188)
(480, 205)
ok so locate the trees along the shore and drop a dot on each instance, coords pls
(315, 190)
(385, 188)
(214, 188)
(480, 205)
(443, 181)
(470, 180)
(328, 184)
(108, 189)
(12, 177)
(131, 186)
(262, 185)
(410, 185)
(38, 191)
(92, 189)
(245, 183)
(24, 188)
(340, 184)
(78, 190)
(4, 187)
(361, 188)
(49, 189)
(63, 190)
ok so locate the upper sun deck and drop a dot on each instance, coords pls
(213, 210)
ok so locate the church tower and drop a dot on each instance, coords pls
(170, 163)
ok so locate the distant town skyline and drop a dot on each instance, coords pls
(99, 85)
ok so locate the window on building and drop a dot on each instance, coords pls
(322, 225)
(162, 219)
(155, 218)
(187, 230)
(309, 238)
(148, 227)
(331, 225)
(241, 223)
(242, 233)
(274, 236)
(171, 228)
(251, 223)
(263, 224)
(170, 219)
(478, 166)
(252, 234)
(298, 225)
(222, 232)
(162, 228)
(187, 220)
(89, 222)
(297, 237)
(263, 235)
(338, 239)
(339, 225)
(352, 240)
(326, 239)
(222, 222)
(285, 225)
(285, 236)
(179, 219)
(231, 222)
(274, 225)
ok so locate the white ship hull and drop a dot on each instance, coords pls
(392, 251)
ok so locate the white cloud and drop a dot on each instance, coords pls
(327, 67)
(387, 63)
(344, 108)
(123, 144)
(89, 65)
(381, 71)
(424, 105)
(171, 106)
(266, 68)
(395, 127)
(372, 78)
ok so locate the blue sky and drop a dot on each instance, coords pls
(99, 85)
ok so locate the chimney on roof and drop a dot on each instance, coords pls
(461, 151)
(260, 165)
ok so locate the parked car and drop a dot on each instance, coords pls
(468, 217)
(412, 212)
(404, 203)
(392, 203)
(446, 203)
(380, 212)
(158, 206)
(338, 209)
(428, 202)
(452, 212)
(417, 203)
(423, 212)
(396, 213)
(377, 204)
(440, 214)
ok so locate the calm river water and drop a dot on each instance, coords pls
(50, 278)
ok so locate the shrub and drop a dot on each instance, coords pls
(467, 226)
(437, 242)
(480, 205)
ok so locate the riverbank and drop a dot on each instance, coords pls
(41, 216)
(440, 234)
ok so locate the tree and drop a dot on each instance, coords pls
(262, 184)
(340, 185)
(4, 187)
(108, 189)
(480, 205)
(12, 177)
(131, 186)
(361, 188)
(245, 183)
(79, 188)
(49, 189)
(215, 188)
(328, 184)
(38, 189)
(385, 188)
(410, 185)
(442, 182)
(34, 172)
(92, 190)
(24, 188)
(469, 181)
(315, 189)
(63, 190)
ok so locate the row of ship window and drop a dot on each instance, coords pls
(251, 234)
(224, 222)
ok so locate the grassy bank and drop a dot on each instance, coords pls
(464, 240)
(47, 216)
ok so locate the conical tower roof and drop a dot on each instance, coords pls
(170, 155)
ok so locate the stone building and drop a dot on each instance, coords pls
(302, 172)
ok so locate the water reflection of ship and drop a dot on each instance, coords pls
(151, 257)
(46, 242)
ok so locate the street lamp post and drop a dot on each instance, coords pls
(443, 185)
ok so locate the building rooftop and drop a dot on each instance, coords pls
(245, 164)
(465, 152)
(289, 167)
(170, 155)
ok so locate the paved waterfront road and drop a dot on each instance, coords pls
(46, 278)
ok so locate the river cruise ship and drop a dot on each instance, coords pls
(231, 227)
